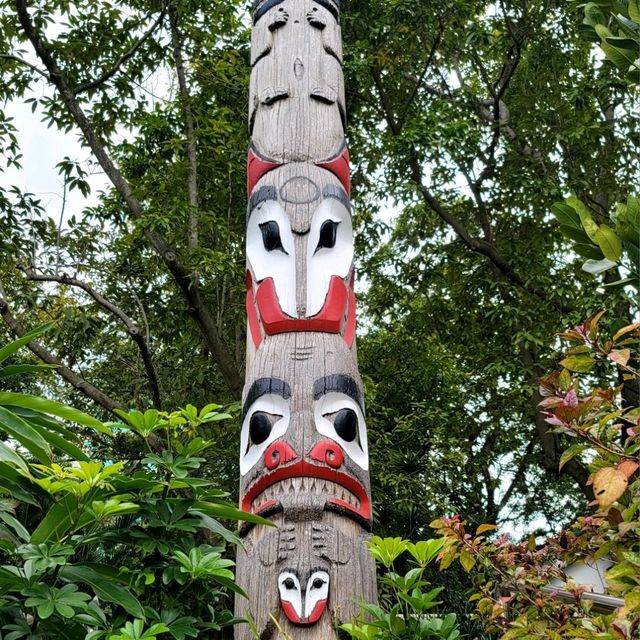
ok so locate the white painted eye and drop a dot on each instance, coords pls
(267, 419)
(317, 591)
(340, 418)
(271, 252)
(289, 587)
(329, 250)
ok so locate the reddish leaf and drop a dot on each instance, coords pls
(627, 329)
(620, 356)
(628, 467)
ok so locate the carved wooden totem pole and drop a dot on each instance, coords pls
(303, 458)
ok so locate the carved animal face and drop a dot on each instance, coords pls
(303, 598)
(300, 254)
(303, 439)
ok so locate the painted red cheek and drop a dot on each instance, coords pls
(290, 612)
(328, 451)
(257, 167)
(318, 610)
(278, 453)
(340, 168)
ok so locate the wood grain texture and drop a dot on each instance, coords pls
(296, 94)
(304, 455)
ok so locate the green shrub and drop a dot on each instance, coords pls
(101, 549)
(406, 601)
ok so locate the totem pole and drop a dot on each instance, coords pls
(303, 458)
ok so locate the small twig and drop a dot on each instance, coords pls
(107, 75)
(7, 56)
(132, 328)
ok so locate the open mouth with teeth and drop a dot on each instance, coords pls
(343, 492)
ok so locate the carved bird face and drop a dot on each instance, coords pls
(300, 254)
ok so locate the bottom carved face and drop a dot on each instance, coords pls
(303, 598)
(303, 577)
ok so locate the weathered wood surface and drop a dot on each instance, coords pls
(304, 457)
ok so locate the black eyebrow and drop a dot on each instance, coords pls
(259, 11)
(333, 6)
(315, 569)
(264, 386)
(258, 197)
(338, 382)
(333, 191)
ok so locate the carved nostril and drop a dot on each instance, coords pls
(329, 452)
(278, 453)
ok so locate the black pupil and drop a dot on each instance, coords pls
(271, 236)
(327, 234)
(317, 583)
(346, 424)
(289, 583)
(259, 427)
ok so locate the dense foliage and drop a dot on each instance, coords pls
(516, 597)
(97, 549)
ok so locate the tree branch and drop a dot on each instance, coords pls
(62, 370)
(107, 75)
(132, 329)
(518, 476)
(6, 56)
(420, 79)
(183, 277)
(185, 100)
(478, 245)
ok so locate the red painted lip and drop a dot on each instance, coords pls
(304, 469)
(316, 614)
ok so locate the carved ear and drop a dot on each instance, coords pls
(268, 548)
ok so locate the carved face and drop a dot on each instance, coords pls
(296, 81)
(300, 254)
(303, 439)
(303, 599)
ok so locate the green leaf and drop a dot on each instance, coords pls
(622, 58)
(609, 242)
(634, 10)
(467, 561)
(59, 519)
(104, 589)
(566, 215)
(577, 235)
(7, 454)
(571, 453)
(12, 347)
(581, 363)
(16, 525)
(590, 251)
(230, 512)
(588, 224)
(26, 435)
(17, 369)
(53, 408)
